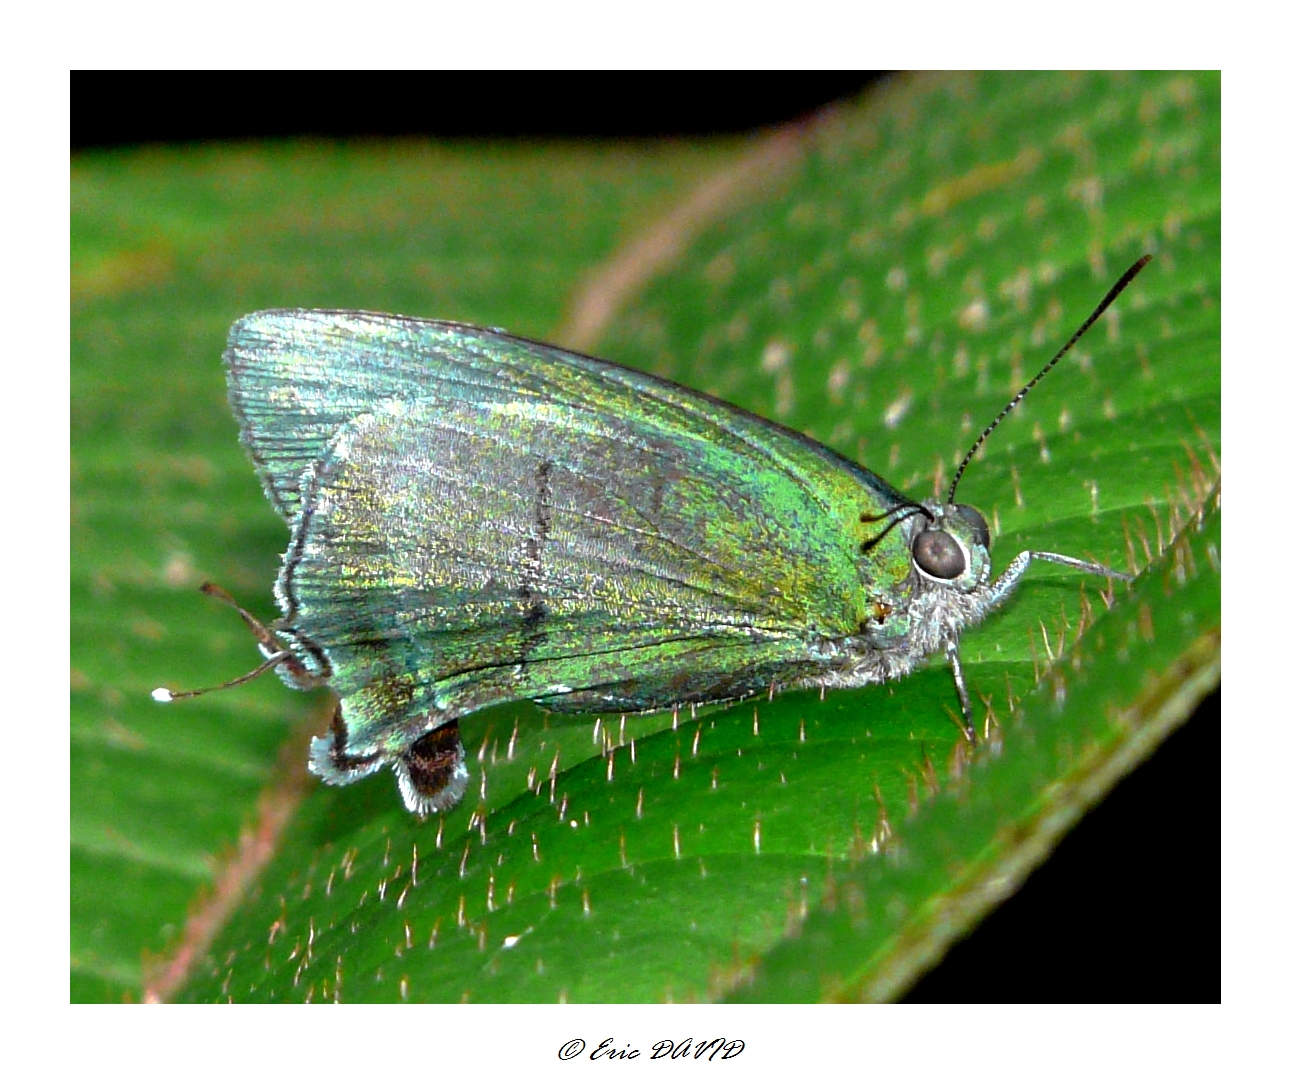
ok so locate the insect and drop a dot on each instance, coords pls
(477, 518)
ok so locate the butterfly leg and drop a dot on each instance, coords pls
(1003, 586)
(965, 705)
(999, 591)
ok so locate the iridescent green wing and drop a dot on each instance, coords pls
(297, 376)
(489, 518)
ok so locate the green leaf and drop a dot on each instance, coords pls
(906, 264)
(1129, 681)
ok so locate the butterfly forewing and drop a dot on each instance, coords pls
(479, 518)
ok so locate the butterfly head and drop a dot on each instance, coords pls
(950, 546)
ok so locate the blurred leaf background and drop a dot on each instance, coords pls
(880, 278)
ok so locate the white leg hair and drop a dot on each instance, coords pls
(1004, 585)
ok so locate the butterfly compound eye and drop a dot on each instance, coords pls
(972, 517)
(938, 554)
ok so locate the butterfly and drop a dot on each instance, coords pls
(477, 518)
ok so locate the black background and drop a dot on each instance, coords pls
(1127, 909)
(114, 110)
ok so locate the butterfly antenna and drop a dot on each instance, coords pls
(905, 505)
(914, 509)
(276, 653)
(1111, 296)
